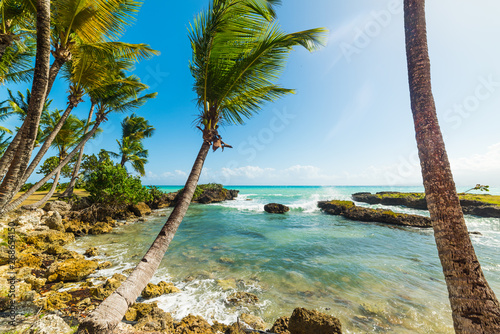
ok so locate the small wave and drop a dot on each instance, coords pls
(205, 298)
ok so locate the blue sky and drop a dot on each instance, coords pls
(350, 121)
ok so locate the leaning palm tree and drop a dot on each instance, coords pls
(475, 308)
(68, 137)
(238, 53)
(115, 93)
(16, 157)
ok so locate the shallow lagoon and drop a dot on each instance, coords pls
(374, 278)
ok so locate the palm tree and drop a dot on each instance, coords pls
(134, 129)
(116, 93)
(69, 136)
(16, 22)
(71, 186)
(238, 52)
(16, 157)
(18, 105)
(475, 308)
(4, 143)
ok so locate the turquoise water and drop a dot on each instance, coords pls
(374, 278)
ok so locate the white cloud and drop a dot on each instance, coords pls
(487, 162)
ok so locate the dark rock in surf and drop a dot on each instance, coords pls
(276, 208)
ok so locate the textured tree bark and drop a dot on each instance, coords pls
(15, 203)
(111, 311)
(69, 191)
(475, 309)
(40, 80)
(51, 192)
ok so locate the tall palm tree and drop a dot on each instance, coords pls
(16, 157)
(238, 53)
(130, 147)
(475, 308)
(117, 94)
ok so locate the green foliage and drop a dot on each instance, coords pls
(51, 163)
(111, 184)
(202, 187)
(26, 186)
(155, 193)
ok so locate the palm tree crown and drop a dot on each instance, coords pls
(239, 51)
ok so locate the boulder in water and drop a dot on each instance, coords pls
(305, 321)
(276, 208)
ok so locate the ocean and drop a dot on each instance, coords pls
(374, 278)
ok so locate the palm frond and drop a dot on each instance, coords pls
(239, 52)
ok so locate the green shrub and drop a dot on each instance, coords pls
(111, 184)
(155, 193)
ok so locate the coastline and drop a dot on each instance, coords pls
(339, 293)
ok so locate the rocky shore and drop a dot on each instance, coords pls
(477, 205)
(54, 290)
(349, 210)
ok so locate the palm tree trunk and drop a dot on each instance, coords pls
(40, 80)
(475, 308)
(15, 203)
(8, 191)
(10, 152)
(47, 143)
(111, 311)
(51, 192)
(69, 191)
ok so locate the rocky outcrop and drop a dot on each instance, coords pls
(91, 252)
(71, 270)
(253, 321)
(193, 325)
(51, 237)
(280, 326)
(58, 206)
(155, 290)
(50, 324)
(305, 321)
(276, 208)
(417, 201)
(156, 320)
(54, 221)
(242, 298)
(140, 209)
(409, 200)
(210, 193)
(349, 210)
